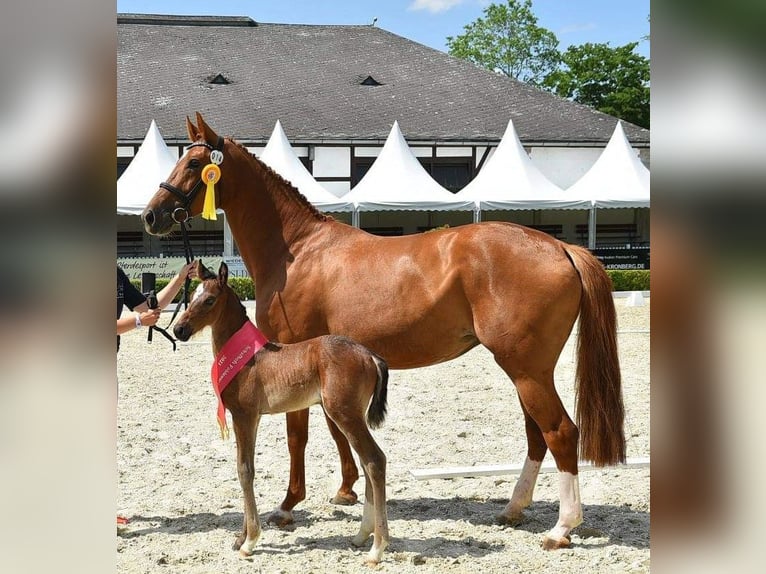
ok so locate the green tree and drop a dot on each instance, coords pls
(612, 80)
(507, 40)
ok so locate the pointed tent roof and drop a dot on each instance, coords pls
(280, 156)
(617, 179)
(151, 165)
(397, 181)
(510, 180)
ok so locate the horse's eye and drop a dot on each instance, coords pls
(209, 300)
(194, 163)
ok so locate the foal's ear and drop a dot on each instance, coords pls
(203, 272)
(192, 130)
(207, 133)
(223, 274)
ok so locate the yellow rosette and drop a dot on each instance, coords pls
(211, 173)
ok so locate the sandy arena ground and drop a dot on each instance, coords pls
(179, 488)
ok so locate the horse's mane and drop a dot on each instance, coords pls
(289, 189)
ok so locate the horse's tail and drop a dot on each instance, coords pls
(376, 413)
(598, 385)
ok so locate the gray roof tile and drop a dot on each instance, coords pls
(309, 77)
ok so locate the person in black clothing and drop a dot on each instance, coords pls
(131, 297)
(128, 295)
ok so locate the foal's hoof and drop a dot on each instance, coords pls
(280, 518)
(244, 553)
(345, 498)
(556, 543)
(238, 543)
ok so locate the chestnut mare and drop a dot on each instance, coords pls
(418, 300)
(332, 370)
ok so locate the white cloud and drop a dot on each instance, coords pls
(434, 6)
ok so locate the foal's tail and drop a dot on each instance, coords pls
(376, 413)
(598, 385)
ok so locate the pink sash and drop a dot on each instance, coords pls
(237, 351)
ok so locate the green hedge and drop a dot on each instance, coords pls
(622, 280)
(629, 279)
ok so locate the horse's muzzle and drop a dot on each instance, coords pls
(156, 222)
(182, 331)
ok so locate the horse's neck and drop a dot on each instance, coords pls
(231, 321)
(266, 216)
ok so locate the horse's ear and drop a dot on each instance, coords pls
(203, 272)
(192, 130)
(205, 131)
(223, 274)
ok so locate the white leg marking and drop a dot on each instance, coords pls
(368, 523)
(570, 507)
(525, 487)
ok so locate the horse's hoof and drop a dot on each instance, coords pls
(510, 519)
(556, 543)
(280, 518)
(345, 499)
(237, 544)
(244, 553)
(360, 540)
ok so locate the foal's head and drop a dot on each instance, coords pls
(210, 303)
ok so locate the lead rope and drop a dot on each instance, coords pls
(187, 283)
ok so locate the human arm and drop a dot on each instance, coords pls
(166, 295)
(147, 317)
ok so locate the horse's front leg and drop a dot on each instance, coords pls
(346, 494)
(297, 437)
(246, 429)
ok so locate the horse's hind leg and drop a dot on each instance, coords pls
(346, 494)
(525, 485)
(542, 403)
(375, 516)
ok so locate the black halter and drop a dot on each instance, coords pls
(181, 215)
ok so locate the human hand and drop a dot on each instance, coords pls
(150, 317)
(188, 271)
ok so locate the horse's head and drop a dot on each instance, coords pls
(179, 198)
(208, 304)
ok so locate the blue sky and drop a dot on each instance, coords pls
(429, 22)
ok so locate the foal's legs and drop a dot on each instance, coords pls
(297, 438)
(246, 429)
(542, 403)
(374, 516)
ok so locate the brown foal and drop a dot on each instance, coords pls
(348, 380)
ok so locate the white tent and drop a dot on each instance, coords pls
(510, 180)
(397, 181)
(617, 179)
(151, 165)
(280, 156)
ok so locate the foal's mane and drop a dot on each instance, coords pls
(285, 186)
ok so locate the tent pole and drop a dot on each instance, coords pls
(476, 214)
(355, 218)
(592, 228)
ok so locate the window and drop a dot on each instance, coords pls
(450, 172)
